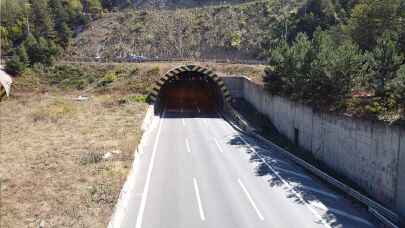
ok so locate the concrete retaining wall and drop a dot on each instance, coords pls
(370, 154)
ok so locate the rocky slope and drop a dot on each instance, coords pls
(230, 31)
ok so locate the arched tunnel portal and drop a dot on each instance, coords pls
(190, 88)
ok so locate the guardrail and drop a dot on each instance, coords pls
(383, 214)
(372, 205)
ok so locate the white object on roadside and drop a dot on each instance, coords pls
(6, 81)
(107, 155)
(81, 98)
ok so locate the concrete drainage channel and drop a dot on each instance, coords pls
(383, 214)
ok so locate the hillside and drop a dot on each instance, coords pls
(227, 32)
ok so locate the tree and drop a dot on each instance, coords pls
(111, 4)
(60, 18)
(15, 66)
(370, 19)
(41, 50)
(30, 45)
(291, 66)
(23, 56)
(384, 62)
(397, 88)
(334, 68)
(320, 71)
(41, 18)
(311, 16)
(92, 6)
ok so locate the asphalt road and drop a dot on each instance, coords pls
(196, 171)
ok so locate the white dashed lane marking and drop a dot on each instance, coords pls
(188, 145)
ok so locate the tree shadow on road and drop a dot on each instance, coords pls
(301, 186)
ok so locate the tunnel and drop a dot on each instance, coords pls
(190, 88)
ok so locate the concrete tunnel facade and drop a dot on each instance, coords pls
(190, 87)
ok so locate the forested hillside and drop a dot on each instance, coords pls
(39, 31)
(344, 56)
(339, 55)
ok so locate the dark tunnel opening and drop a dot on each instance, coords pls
(191, 92)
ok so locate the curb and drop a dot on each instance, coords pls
(126, 191)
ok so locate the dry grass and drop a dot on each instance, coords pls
(254, 72)
(51, 158)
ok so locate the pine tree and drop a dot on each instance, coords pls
(41, 18)
(384, 61)
(60, 18)
(22, 54)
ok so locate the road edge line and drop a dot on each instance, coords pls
(291, 188)
(145, 192)
(252, 202)
(120, 207)
(219, 146)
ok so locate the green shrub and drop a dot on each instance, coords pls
(138, 98)
(397, 88)
(15, 66)
(108, 78)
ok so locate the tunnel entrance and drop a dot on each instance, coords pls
(191, 92)
(190, 88)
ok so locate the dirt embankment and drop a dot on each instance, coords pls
(63, 161)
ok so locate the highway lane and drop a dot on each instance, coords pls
(198, 171)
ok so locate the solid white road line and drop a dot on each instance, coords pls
(197, 195)
(188, 145)
(219, 146)
(251, 200)
(184, 122)
(310, 208)
(148, 177)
